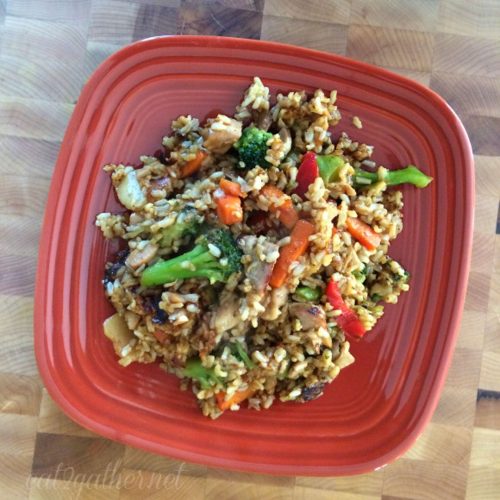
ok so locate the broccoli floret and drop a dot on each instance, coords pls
(196, 371)
(199, 262)
(187, 223)
(252, 147)
(361, 274)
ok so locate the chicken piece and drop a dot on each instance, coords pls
(259, 274)
(162, 184)
(137, 257)
(221, 134)
(116, 329)
(226, 315)
(279, 296)
(310, 315)
(262, 118)
(286, 137)
(264, 254)
(128, 189)
(132, 319)
(345, 358)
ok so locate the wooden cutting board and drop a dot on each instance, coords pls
(47, 51)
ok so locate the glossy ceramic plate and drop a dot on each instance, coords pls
(377, 407)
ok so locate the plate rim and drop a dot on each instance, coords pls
(46, 247)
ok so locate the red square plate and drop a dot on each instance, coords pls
(377, 407)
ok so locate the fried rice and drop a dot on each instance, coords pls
(241, 341)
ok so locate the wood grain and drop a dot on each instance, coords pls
(418, 479)
(338, 12)
(48, 48)
(52, 420)
(312, 34)
(483, 482)
(216, 19)
(488, 411)
(19, 394)
(17, 354)
(364, 485)
(457, 406)
(406, 14)
(391, 47)
(49, 489)
(477, 19)
(63, 457)
(137, 483)
(135, 459)
(465, 55)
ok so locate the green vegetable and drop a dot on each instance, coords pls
(308, 294)
(198, 262)
(187, 223)
(376, 297)
(196, 371)
(239, 351)
(408, 175)
(329, 167)
(252, 147)
(360, 274)
(404, 277)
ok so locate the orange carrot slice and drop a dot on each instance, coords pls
(229, 209)
(363, 233)
(236, 398)
(299, 241)
(281, 204)
(231, 188)
(192, 166)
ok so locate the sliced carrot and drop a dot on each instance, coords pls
(192, 166)
(231, 188)
(236, 398)
(363, 233)
(229, 209)
(287, 214)
(299, 241)
(281, 204)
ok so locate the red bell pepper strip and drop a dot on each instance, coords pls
(327, 167)
(348, 321)
(308, 171)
